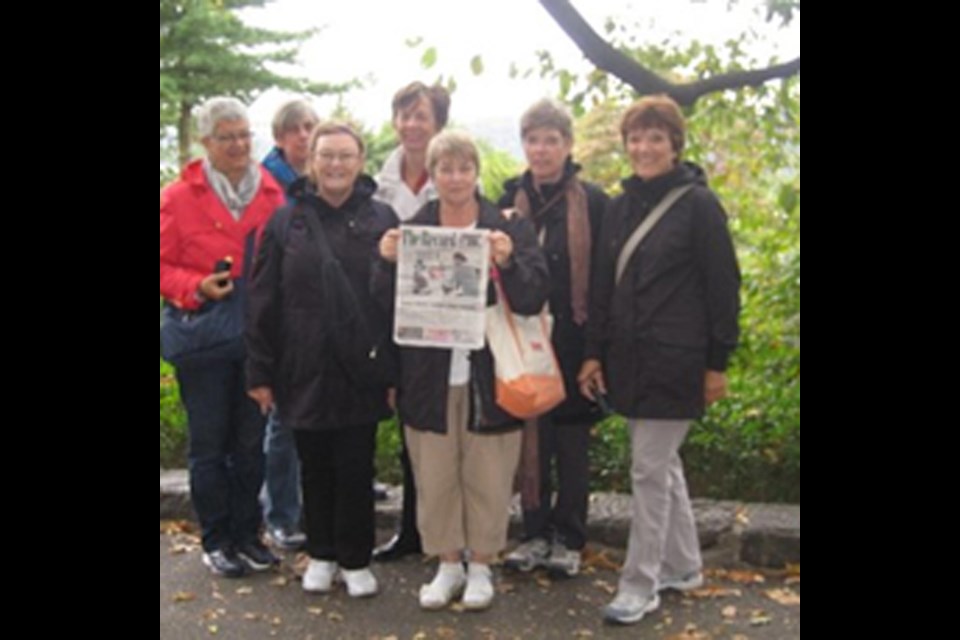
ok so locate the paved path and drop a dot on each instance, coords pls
(193, 604)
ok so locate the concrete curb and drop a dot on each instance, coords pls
(762, 535)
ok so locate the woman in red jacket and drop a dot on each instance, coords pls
(205, 218)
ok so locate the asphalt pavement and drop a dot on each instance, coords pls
(737, 603)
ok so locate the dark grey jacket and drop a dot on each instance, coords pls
(292, 323)
(675, 314)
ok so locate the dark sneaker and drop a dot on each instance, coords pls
(286, 539)
(256, 556)
(400, 547)
(225, 564)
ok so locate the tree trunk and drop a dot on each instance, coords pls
(184, 128)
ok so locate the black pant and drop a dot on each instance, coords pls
(226, 453)
(569, 447)
(409, 530)
(337, 472)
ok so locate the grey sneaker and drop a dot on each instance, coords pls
(528, 556)
(688, 582)
(629, 609)
(564, 562)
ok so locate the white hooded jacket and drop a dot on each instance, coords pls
(395, 192)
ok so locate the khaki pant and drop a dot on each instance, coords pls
(663, 538)
(464, 483)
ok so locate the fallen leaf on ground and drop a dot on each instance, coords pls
(245, 591)
(715, 593)
(213, 629)
(786, 597)
(746, 577)
(184, 596)
(605, 586)
(743, 517)
(175, 527)
(280, 582)
(691, 633)
(793, 570)
(760, 619)
(315, 611)
(182, 549)
(335, 617)
(446, 633)
(729, 613)
(594, 560)
(506, 587)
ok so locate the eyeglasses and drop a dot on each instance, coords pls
(232, 138)
(343, 158)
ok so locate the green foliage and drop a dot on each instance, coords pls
(388, 453)
(496, 167)
(206, 51)
(173, 421)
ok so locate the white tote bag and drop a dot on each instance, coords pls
(528, 377)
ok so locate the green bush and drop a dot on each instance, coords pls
(173, 421)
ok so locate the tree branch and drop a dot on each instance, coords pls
(643, 80)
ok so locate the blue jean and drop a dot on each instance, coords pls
(226, 453)
(281, 495)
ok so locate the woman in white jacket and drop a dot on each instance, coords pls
(419, 114)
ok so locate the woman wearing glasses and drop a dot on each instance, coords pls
(205, 217)
(319, 248)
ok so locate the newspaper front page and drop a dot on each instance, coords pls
(443, 276)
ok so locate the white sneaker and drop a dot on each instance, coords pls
(320, 576)
(528, 556)
(361, 584)
(480, 592)
(630, 609)
(449, 583)
(688, 582)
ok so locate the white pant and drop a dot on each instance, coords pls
(663, 538)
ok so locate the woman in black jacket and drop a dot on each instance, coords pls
(567, 213)
(663, 325)
(464, 448)
(316, 341)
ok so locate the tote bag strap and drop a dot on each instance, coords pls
(648, 225)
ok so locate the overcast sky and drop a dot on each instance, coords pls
(367, 39)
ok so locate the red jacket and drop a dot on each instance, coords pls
(197, 230)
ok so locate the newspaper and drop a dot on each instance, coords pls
(442, 283)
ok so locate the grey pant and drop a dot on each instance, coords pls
(663, 539)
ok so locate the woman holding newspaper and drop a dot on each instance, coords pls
(465, 449)
(663, 325)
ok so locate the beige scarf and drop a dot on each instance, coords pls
(579, 236)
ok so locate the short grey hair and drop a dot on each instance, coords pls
(217, 110)
(548, 114)
(291, 115)
(455, 144)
